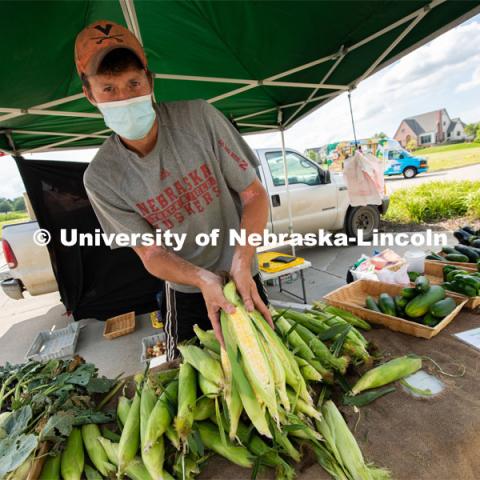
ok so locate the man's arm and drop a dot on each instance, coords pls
(168, 266)
(254, 220)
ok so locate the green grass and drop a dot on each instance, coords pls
(446, 148)
(435, 201)
(453, 158)
(12, 217)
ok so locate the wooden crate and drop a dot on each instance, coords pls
(434, 273)
(352, 298)
(119, 325)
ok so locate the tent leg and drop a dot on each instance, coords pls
(285, 172)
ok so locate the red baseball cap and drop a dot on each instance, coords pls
(100, 38)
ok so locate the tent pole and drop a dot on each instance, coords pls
(353, 121)
(285, 173)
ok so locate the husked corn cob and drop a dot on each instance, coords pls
(255, 412)
(230, 393)
(388, 372)
(187, 395)
(255, 362)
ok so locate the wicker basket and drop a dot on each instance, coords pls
(434, 273)
(352, 298)
(119, 325)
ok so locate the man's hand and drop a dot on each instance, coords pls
(247, 288)
(212, 291)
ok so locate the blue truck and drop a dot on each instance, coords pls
(399, 161)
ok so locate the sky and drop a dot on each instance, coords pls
(445, 73)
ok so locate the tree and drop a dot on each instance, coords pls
(5, 206)
(477, 138)
(18, 204)
(380, 135)
(471, 129)
(312, 155)
(411, 145)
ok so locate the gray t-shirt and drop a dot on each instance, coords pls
(189, 183)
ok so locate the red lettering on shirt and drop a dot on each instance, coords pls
(243, 164)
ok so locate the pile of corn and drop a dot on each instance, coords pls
(251, 403)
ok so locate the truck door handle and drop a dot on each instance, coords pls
(275, 200)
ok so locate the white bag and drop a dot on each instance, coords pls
(364, 177)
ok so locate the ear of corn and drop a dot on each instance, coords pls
(252, 407)
(73, 458)
(173, 437)
(96, 453)
(91, 473)
(153, 457)
(388, 372)
(211, 439)
(299, 405)
(135, 469)
(204, 408)
(187, 395)
(130, 438)
(208, 388)
(253, 359)
(162, 415)
(347, 316)
(123, 406)
(51, 468)
(202, 361)
(207, 339)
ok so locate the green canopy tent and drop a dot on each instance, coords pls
(264, 64)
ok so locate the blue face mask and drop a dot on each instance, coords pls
(132, 118)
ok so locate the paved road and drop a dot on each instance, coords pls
(471, 172)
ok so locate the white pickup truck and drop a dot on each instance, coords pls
(319, 200)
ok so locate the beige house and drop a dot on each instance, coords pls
(431, 128)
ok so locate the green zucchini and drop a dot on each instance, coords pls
(472, 255)
(457, 257)
(400, 302)
(371, 304)
(422, 284)
(421, 303)
(387, 304)
(447, 249)
(442, 308)
(413, 276)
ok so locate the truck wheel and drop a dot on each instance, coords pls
(365, 218)
(409, 172)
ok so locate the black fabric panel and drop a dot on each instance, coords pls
(93, 281)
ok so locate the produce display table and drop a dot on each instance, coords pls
(417, 439)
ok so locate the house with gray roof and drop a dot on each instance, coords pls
(431, 128)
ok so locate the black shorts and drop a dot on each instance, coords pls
(181, 311)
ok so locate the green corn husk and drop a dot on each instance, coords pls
(344, 447)
(73, 457)
(299, 405)
(253, 356)
(96, 453)
(320, 350)
(164, 377)
(187, 396)
(173, 437)
(207, 339)
(208, 388)
(130, 437)
(293, 375)
(91, 473)
(162, 415)
(211, 439)
(51, 468)
(204, 408)
(388, 372)
(249, 401)
(135, 469)
(107, 433)
(309, 373)
(154, 456)
(347, 316)
(202, 361)
(123, 407)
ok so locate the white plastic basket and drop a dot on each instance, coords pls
(150, 342)
(59, 343)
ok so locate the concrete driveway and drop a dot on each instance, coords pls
(21, 320)
(472, 172)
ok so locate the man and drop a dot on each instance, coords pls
(179, 167)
